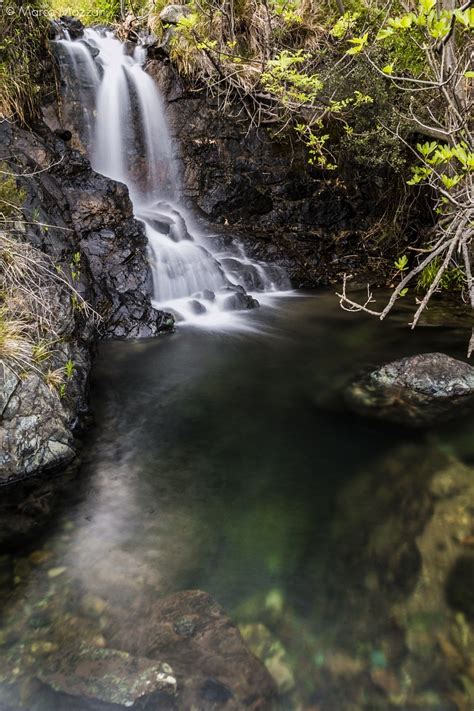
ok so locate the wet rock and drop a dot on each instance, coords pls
(72, 25)
(196, 307)
(417, 391)
(63, 134)
(238, 300)
(35, 429)
(91, 222)
(210, 664)
(172, 14)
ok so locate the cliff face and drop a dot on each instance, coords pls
(248, 182)
(83, 222)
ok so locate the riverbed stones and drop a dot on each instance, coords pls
(212, 665)
(417, 391)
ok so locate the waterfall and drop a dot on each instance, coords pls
(125, 131)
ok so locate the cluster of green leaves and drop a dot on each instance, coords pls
(288, 10)
(453, 278)
(448, 164)
(286, 79)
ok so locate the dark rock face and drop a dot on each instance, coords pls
(212, 665)
(90, 215)
(262, 190)
(84, 223)
(417, 391)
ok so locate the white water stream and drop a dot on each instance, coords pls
(125, 131)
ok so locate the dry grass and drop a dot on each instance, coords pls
(31, 323)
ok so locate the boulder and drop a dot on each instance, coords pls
(107, 675)
(418, 391)
(213, 667)
(172, 14)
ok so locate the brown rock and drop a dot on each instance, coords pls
(212, 665)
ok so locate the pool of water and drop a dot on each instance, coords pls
(226, 461)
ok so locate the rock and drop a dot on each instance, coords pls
(8, 384)
(272, 653)
(39, 557)
(107, 675)
(56, 572)
(72, 25)
(93, 223)
(417, 391)
(211, 662)
(172, 14)
(93, 605)
(340, 664)
(63, 134)
(34, 431)
(238, 300)
(196, 307)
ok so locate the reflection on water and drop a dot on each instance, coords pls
(226, 462)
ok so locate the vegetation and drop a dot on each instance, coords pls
(30, 288)
(88, 11)
(23, 33)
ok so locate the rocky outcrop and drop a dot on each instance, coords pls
(418, 391)
(84, 223)
(253, 185)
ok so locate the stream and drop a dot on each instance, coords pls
(225, 461)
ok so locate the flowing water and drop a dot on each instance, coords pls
(226, 462)
(125, 131)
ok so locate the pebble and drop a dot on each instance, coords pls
(44, 647)
(55, 572)
(93, 605)
(39, 557)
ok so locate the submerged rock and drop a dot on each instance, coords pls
(107, 675)
(418, 391)
(212, 664)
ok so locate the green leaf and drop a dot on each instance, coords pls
(388, 69)
(402, 263)
(426, 6)
(383, 34)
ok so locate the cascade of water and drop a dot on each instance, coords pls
(130, 142)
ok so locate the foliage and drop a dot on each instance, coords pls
(453, 277)
(90, 12)
(23, 32)
(11, 197)
(439, 34)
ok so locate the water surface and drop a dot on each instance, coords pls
(227, 461)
